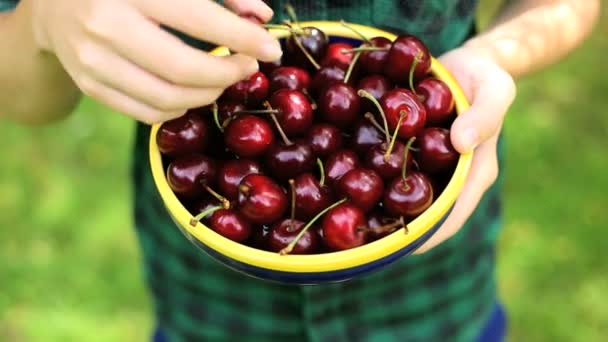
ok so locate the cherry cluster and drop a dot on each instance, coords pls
(329, 148)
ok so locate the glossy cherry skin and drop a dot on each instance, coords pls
(295, 111)
(363, 188)
(230, 224)
(437, 99)
(391, 168)
(324, 139)
(372, 62)
(186, 134)
(289, 77)
(398, 100)
(408, 198)
(325, 77)
(283, 232)
(186, 175)
(249, 136)
(268, 67)
(226, 110)
(201, 204)
(339, 163)
(436, 153)
(287, 161)
(339, 104)
(377, 86)
(251, 91)
(232, 172)
(335, 55)
(313, 40)
(341, 227)
(311, 197)
(261, 200)
(401, 57)
(365, 136)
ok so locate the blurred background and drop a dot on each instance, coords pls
(69, 261)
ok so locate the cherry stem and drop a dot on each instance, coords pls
(321, 172)
(276, 122)
(405, 155)
(257, 111)
(216, 116)
(244, 188)
(417, 60)
(291, 12)
(305, 52)
(351, 67)
(225, 202)
(285, 27)
(292, 185)
(357, 32)
(370, 117)
(389, 150)
(194, 221)
(364, 48)
(383, 228)
(371, 97)
(292, 244)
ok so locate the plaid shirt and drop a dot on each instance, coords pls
(446, 294)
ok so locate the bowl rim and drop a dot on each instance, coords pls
(332, 261)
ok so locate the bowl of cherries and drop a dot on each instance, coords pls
(326, 165)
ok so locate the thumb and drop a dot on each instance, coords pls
(492, 97)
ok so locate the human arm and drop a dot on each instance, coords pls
(526, 36)
(116, 52)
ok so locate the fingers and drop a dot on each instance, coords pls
(164, 55)
(492, 97)
(213, 23)
(255, 7)
(483, 173)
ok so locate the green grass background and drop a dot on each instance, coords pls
(69, 262)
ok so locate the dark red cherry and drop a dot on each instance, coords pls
(268, 67)
(227, 109)
(339, 163)
(363, 188)
(249, 136)
(437, 99)
(339, 104)
(232, 172)
(294, 111)
(436, 153)
(311, 196)
(403, 100)
(261, 200)
(377, 85)
(336, 56)
(251, 91)
(372, 62)
(405, 49)
(285, 161)
(312, 40)
(186, 175)
(201, 204)
(285, 231)
(376, 220)
(230, 224)
(365, 135)
(409, 197)
(289, 77)
(391, 168)
(324, 139)
(325, 77)
(186, 134)
(343, 227)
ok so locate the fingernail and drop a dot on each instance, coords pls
(271, 51)
(469, 139)
(253, 67)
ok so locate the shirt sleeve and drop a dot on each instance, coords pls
(7, 5)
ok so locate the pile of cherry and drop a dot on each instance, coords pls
(327, 149)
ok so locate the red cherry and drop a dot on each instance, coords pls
(363, 187)
(232, 172)
(404, 51)
(325, 77)
(227, 109)
(377, 86)
(372, 62)
(324, 139)
(294, 111)
(202, 204)
(401, 100)
(389, 168)
(365, 135)
(339, 104)
(186, 134)
(230, 224)
(249, 136)
(436, 152)
(342, 227)
(261, 200)
(268, 67)
(285, 231)
(339, 163)
(437, 100)
(336, 56)
(313, 40)
(186, 175)
(288, 77)
(285, 161)
(311, 196)
(251, 91)
(409, 197)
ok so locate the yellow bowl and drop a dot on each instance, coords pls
(328, 267)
